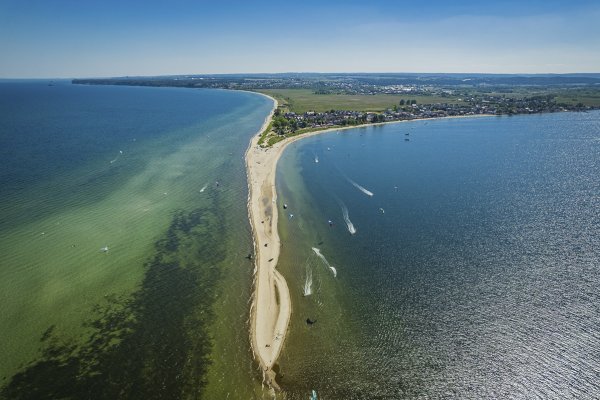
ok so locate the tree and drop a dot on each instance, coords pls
(280, 125)
(402, 102)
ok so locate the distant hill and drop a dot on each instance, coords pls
(297, 80)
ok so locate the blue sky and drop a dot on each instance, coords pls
(83, 38)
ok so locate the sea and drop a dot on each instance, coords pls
(439, 259)
(123, 237)
(444, 259)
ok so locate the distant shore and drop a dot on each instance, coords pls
(271, 305)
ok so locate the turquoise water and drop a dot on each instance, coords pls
(123, 232)
(474, 268)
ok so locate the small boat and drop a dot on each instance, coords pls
(104, 249)
(313, 396)
(284, 206)
(310, 321)
(316, 159)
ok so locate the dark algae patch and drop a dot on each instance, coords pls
(152, 345)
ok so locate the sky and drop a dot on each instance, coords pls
(86, 38)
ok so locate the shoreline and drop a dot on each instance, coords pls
(271, 304)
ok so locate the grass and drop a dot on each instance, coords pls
(589, 97)
(302, 100)
(264, 134)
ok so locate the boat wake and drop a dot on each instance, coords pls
(362, 189)
(322, 257)
(117, 157)
(349, 223)
(308, 282)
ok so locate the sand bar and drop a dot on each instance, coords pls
(271, 306)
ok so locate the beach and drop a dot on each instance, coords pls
(271, 306)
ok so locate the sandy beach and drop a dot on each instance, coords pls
(271, 306)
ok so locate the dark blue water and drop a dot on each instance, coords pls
(50, 132)
(100, 119)
(480, 277)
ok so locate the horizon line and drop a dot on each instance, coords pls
(300, 73)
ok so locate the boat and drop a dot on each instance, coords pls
(313, 395)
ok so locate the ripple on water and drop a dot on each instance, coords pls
(481, 279)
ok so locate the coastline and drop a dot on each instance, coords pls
(271, 305)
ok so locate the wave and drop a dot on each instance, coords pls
(322, 257)
(349, 223)
(308, 282)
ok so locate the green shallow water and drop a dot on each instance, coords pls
(164, 312)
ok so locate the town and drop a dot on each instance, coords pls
(287, 122)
